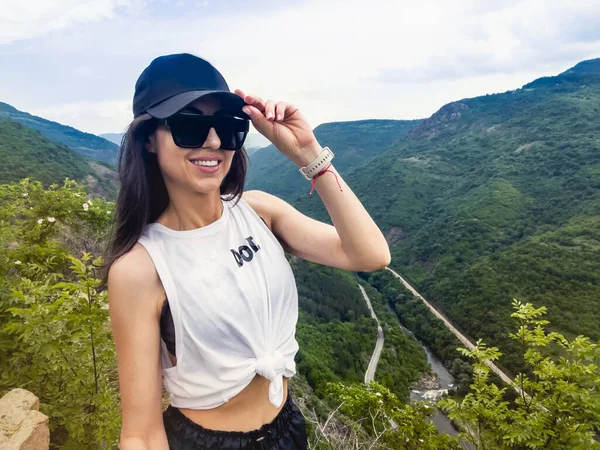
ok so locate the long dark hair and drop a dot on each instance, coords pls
(143, 195)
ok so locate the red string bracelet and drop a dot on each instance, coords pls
(314, 179)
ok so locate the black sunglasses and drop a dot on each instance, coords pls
(190, 130)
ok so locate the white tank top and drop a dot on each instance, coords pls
(234, 304)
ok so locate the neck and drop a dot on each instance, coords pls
(190, 211)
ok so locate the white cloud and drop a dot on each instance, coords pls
(336, 60)
(95, 117)
(32, 18)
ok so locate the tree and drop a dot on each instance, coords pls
(55, 337)
(374, 409)
(558, 401)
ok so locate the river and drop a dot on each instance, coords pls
(446, 380)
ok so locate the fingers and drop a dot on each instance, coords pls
(259, 121)
(280, 110)
(270, 110)
(257, 102)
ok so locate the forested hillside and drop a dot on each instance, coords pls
(337, 335)
(25, 152)
(86, 144)
(494, 198)
(351, 142)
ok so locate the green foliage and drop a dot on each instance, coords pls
(558, 405)
(392, 424)
(54, 332)
(27, 153)
(334, 351)
(328, 293)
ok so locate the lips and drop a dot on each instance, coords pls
(207, 158)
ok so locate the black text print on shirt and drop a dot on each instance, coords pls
(245, 253)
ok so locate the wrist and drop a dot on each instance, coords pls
(308, 154)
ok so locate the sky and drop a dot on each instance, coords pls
(76, 61)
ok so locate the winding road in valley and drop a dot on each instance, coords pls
(461, 337)
(370, 373)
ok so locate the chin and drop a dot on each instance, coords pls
(207, 186)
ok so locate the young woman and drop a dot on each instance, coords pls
(201, 295)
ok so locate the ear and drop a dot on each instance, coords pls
(151, 144)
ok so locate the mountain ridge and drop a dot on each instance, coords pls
(86, 144)
(27, 153)
(351, 142)
(469, 196)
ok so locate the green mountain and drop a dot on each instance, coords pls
(25, 152)
(86, 144)
(351, 142)
(494, 198)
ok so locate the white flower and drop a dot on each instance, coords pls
(17, 262)
(77, 195)
(51, 219)
(40, 221)
(85, 206)
(25, 194)
(380, 401)
(90, 202)
(378, 394)
(107, 212)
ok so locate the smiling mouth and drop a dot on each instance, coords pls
(206, 163)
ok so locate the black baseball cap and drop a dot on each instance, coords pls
(171, 82)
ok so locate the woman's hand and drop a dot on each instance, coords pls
(283, 125)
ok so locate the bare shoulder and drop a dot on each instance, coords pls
(135, 267)
(133, 276)
(265, 204)
(259, 198)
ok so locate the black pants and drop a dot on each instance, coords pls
(286, 432)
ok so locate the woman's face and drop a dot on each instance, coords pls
(176, 163)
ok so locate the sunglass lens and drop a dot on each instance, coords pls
(232, 132)
(188, 131)
(191, 130)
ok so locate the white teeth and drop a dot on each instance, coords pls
(206, 163)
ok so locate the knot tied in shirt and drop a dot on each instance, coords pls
(272, 366)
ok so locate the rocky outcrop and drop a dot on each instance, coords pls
(22, 426)
(446, 115)
(427, 381)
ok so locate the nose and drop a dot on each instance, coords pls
(212, 140)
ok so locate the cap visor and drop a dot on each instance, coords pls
(229, 102)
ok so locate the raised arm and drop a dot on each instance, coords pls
(134, 293)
